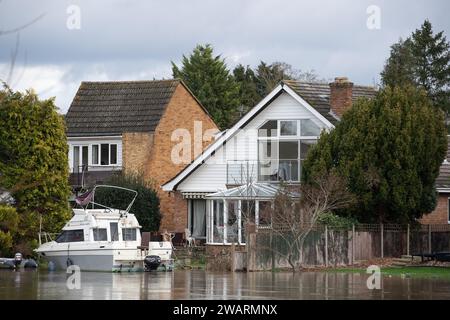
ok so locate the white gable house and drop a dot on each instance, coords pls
(241, 170)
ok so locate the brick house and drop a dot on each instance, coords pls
(128, 125)
(441, 215)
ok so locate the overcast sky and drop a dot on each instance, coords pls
(133, 40)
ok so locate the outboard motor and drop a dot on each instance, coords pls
(30, 263)
(152, 263)
(17, 260)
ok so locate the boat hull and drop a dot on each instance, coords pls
(94, 260)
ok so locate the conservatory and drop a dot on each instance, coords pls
(229, 210)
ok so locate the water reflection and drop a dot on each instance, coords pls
(202, 285)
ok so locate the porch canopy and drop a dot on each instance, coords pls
(229, 210)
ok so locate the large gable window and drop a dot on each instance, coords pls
(282, 148)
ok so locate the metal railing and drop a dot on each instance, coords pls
(268, 170)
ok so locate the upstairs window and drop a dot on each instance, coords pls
(95, 154)
(283, 146)
(288, 128)
(105, 154)
(80, 157)
(269, 129)
(108, 154)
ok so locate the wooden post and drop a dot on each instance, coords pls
(382, 240)
(233, 257)
(326, 246)
(353, 244)
(407, 240)
(272, 253)
(429, 238)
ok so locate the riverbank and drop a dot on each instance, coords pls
(407, 272)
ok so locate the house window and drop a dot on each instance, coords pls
(288, 128)
(80, 157)
(129, 234)
(217, 221)
(264, 213)
(282, 152)
(309, 128)
(100, 234)
(268, 129)
(230, 217)
(95, 154)
(113, 153)
(108, 154)
(76, 159)
(104, 154)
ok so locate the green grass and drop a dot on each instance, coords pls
(414, 272)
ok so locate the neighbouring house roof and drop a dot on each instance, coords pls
(317, 94)
(115, 107)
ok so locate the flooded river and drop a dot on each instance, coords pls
(205, 285)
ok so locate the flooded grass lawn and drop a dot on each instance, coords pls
(415, 272)
(422, 283)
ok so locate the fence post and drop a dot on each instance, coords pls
(429, 238)
(382, 240)
(272, 253)
(407, 240)
(326, 246)
(353, 244)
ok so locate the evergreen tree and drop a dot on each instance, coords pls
(422, 60)
(248, 95)
(146, 205)
(33, 163)
(389, 150)
(211, 82)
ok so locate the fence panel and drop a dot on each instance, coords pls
(344, 245)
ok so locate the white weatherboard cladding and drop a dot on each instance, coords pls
(212, 175)
(89, 141)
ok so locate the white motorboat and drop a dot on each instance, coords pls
(104, 239)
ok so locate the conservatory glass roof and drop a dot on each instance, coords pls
(251, 190)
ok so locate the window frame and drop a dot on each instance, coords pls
(279, 138)
(124, 234)
(98, 154)
(110, 154)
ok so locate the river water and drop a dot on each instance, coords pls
(198, 284)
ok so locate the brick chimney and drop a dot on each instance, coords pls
(341, 91)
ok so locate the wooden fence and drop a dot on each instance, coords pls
(325, 246)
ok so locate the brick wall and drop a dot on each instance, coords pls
(341, 92)
(181, 112)
(440, 214)
(136, 151)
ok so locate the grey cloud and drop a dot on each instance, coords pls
(138, 39)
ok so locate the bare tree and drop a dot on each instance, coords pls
(296, 210)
